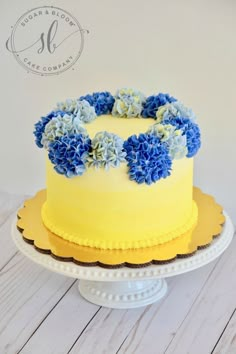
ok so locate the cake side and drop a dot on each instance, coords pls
(104, 209)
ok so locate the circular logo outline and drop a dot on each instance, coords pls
(28, 69)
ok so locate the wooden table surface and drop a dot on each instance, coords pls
(41, 312)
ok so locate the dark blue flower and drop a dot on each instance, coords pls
(152, 104)
(101, 101)
(148, 158)
(40, 126)
(69, 154)
(192, 132)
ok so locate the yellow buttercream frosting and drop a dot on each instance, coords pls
(105, 209)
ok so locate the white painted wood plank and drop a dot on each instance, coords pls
(139, 328)
(107, 331)
(8, 208)
(8, 204)
(7, 246)
(61, 329)
(28, 293)
(211, 311)
(227, 343)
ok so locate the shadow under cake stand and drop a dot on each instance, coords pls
(127, 287)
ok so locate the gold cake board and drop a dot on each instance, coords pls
(209, 226)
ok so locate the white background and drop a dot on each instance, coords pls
(186, 48)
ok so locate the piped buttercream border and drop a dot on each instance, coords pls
(154, 241)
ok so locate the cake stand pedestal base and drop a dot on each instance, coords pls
(123, 294)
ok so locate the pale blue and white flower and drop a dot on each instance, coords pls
(128, 103)
(81, 109)
(172, 137)
(174, 110)
(86, 113)
(61, 126)
(70, 105)
(107, 150)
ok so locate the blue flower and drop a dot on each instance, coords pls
(173, 110)
(61, 125)
(172, 137)
(102, 102)
(128, 103)
(107, 150)
(40, 126)
(190, 130)
(148, 158)
(152, 104)
(81, 109)
(69, 154)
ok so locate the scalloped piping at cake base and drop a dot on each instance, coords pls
(160, 239)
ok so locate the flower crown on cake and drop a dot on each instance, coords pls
(149, 155)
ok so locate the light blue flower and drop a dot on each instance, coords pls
(190, 130)
(174, 110)
(107, 150)
(60, 126)
(178, 146)
(81, 109)
(172, 137)
(86, 113)
(70, 105)
(128, 103)
(163, 132)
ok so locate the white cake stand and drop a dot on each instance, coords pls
(127, 287)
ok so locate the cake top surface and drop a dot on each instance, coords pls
(103, 131)
(123, 127)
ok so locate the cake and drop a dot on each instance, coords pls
(119, 169)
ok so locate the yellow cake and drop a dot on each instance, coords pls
(105, 205)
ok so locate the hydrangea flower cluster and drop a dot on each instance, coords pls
(149, 156)
(191, 131)
(81, 109)
(107, 150)
(39, 127)
(102, 102)
(172, 137)
(128, 103)
(173, 110)
(69, 154)
(86, 113)
(148, 159)
(60, 126)
(69, 106)
(152, 104)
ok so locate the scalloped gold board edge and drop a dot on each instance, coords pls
(210, 222)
